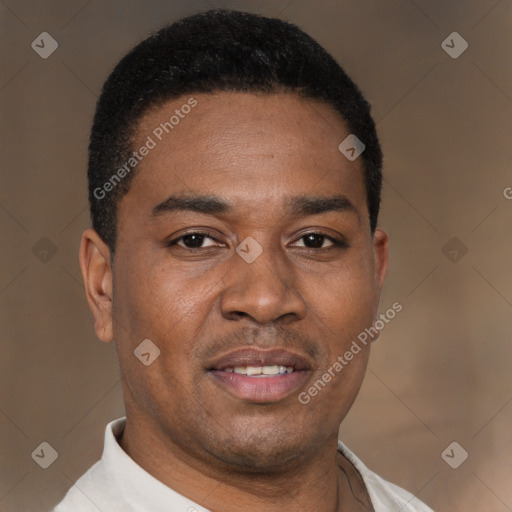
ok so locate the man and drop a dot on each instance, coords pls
(235, 260)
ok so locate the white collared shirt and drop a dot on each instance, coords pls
(116, 483)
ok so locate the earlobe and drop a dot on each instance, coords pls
(97, 275)
(380, 249)
(380, 252)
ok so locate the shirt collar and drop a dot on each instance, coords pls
(142, 490)
(145, 492)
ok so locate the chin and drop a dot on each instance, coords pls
(259, 453)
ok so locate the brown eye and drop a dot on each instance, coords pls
(194, 241)
(316, 241)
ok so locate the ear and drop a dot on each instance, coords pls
(380, 252)
(97, 275)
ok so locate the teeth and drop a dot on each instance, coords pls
(270, 370)
(260, 370)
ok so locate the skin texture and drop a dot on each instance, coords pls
(306, 295)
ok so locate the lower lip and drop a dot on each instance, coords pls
(260, 389)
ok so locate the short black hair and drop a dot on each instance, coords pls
(217, 50)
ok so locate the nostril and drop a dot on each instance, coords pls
(239, 313)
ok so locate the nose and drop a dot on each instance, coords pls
(263, 290)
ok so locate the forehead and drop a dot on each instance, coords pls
(254, 148)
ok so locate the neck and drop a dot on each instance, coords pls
(325, 481)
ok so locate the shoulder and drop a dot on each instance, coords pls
(90, 493)
(79, 497)
(384, 495)
(94, 491)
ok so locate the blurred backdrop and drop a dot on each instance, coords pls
(440, 372)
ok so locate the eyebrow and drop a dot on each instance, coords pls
(305, 205)
(213, 205)
(210, 205)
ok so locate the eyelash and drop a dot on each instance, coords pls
(337, 243)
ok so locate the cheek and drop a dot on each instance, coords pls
(345, 300)
(153, 300)
(160, 304)
(334, 389)
(153, 304)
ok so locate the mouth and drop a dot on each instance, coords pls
(260, 371)
(256, 375)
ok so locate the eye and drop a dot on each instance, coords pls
(316, 241)
(194, 240)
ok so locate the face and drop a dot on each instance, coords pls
(243, 247)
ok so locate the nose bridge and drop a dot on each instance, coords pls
(265, 266)
(261, 283)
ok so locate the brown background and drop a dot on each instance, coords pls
(440, 371)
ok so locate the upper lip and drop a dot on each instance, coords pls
(252, 356)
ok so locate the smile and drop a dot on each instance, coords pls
(260, 371)
(260, 375)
